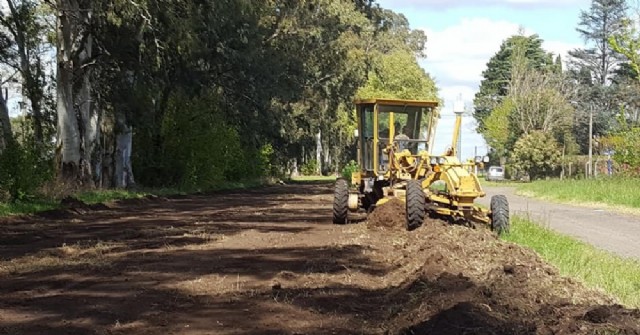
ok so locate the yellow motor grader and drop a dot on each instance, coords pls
(395, 139)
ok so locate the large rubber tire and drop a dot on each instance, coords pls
(416, 204)
(500, 214)
(341, 202)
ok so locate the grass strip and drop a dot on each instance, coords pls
(313, 178)
(619, 277)
(616, 192)
(100, 196)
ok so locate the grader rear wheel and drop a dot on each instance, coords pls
(499, 214)
(415, 204)
(341, 202)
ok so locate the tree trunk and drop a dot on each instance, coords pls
(5, 121)
(90, 120)
(319, 152)
(108, 150)
(326, 156)
(68, 141)
(293, 171)
(123, 172)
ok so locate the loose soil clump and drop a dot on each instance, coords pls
(388, 215)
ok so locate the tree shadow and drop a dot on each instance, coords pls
(160, 289)
(163, 221)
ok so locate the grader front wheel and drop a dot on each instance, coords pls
(341, 202)
(415, 204)
(499, 214)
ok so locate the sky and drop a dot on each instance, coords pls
(462, 35)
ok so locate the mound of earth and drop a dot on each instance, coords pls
(388, 215)
(459, 280)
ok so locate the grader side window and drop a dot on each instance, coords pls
(366, 121)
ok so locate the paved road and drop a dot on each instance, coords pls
(618, 233)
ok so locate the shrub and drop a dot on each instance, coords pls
(309, 168)
(196, 148)
(349, 169)
(626, 145)
(23, 168)
(536, 154)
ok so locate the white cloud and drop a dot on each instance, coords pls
(459, 53)
(456, 57)
(560, 48)
(442, 4)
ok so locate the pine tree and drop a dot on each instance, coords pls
(603, 19)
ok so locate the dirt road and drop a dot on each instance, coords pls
(602, 228)
(269, 261)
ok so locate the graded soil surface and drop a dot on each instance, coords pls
(269, 261)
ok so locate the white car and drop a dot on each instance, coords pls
(495, 173)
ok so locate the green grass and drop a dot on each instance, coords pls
(596, 268)
(314, 178)
(94, 197)
(30, 207)
(101, 196)
(617, 192)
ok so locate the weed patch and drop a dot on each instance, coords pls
(596, 268)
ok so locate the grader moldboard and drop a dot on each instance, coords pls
(395, 139)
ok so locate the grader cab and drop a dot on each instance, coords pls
(395, 143)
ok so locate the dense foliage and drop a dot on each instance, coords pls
(525, 94)
(535, 154)
(193, 93)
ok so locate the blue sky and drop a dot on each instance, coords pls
(462, 36)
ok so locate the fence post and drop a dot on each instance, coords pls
(586, 170)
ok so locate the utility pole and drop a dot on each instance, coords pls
(590, 170)
(475, 154)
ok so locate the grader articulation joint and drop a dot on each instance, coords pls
(395, 139)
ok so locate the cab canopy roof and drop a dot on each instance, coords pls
(398, 102)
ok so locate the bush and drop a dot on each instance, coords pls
(536, 154)
(196, 148)
(349, 169)
(627, 149)
(23, 169)
(309, 168)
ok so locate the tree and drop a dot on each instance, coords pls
(495, 82)
(268, 79)
(398, 76)
(498, 132)
(537, 99)
(536, 154)
(540, 97)
(604, 19)
(6, 133)
(25, 26)
(595, 69)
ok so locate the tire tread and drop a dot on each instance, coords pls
(500, 214)
(341, 202)
(416, 204)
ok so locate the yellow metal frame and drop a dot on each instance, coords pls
(462, 186)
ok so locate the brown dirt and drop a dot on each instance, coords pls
(269, 261)
(389, 215)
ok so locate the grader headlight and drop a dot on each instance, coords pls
(433, 161)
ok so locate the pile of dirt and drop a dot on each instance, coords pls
(388, 215)
(460, 280)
